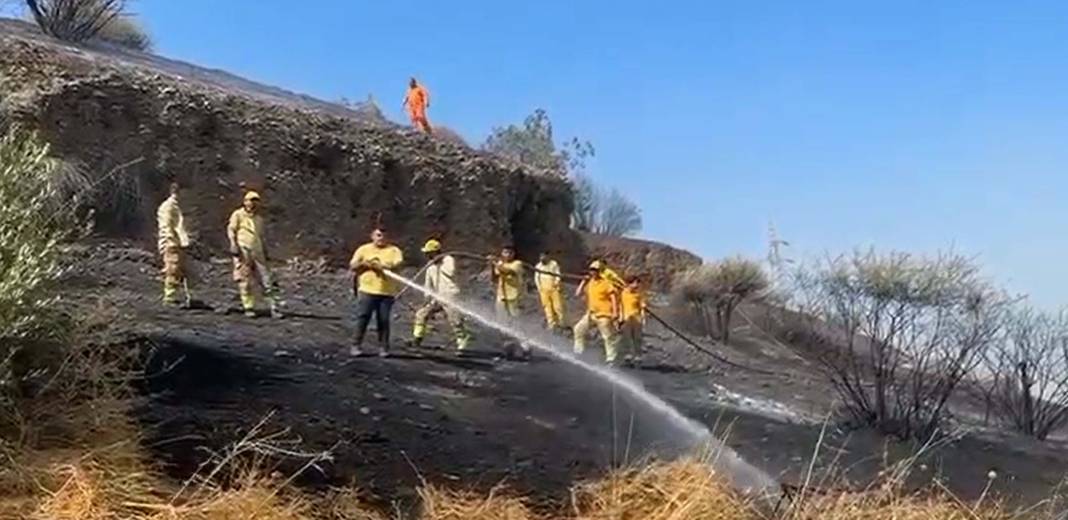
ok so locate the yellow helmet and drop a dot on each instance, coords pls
(251, 195)
(596, 265)
(432, 246)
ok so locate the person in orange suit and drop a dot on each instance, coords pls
(416, 102)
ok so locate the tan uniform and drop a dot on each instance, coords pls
(251, 272)
(440, 278)
(172, 239)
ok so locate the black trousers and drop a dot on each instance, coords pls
(379, 305)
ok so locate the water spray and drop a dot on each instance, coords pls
(743, 475)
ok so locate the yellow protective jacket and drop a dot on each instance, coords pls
(509, 280)
(171, 224)
(246, 230)
(547, 282)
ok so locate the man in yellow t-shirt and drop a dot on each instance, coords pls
(633, 302)
(375, 290)
(547, 280)
(248, 246)
(603, 310)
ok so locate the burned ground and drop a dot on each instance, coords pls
(478, 421)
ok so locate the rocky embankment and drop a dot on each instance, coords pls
(135, 121)
(658, 262)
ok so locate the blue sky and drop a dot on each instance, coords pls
(913, 125)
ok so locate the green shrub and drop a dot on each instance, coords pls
(126, 31)
(716, 289)
(33, 223)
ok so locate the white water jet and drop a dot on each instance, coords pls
(725, 460)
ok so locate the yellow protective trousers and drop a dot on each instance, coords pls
(632, 335)
(507, 308)
(253, 278)
(552, 302)
(173, 273)
(454, 317)
(606, 325)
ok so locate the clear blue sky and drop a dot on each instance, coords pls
(914, 125)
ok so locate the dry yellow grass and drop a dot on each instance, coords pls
(346, 504)
(442, 504)
(681, 490)
(888, 504)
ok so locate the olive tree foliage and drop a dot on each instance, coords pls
(1024, 378)
(715, 290)
(33, 223)
(596, 209)
(899, 333)
(84, 20)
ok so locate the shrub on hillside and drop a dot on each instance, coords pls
(74, 20)
(716, 289)
(32, 225)
(900, 333)
(1024, 381)
(127, 32)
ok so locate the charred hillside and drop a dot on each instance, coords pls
(327, 172)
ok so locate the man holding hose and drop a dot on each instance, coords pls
(602, 310)
(375, 290)
(440, 279)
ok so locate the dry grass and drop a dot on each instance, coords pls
(442, 504)
(681, 490)
(889, 505)
(346, 504)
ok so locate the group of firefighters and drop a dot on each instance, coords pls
(614, 305)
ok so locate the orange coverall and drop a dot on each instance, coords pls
(417, 101)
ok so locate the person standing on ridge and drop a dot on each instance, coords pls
(173, 240)
(416, 101)
(547, 280)
(375, 290)
(603, 309)
(633, 303)
(440, 279)
(248, 246)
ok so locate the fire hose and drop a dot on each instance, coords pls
(578, 278)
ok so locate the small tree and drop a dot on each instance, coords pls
(714, 291)
(75, 20)
(531, 144)
(617, 216)
(900, 333)
(1028, 373)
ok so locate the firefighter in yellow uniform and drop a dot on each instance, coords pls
(173, 239)
(508, 272)
(248, 247)
(633, 302)
(547, 280)
(440, 279)
(602, 310)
